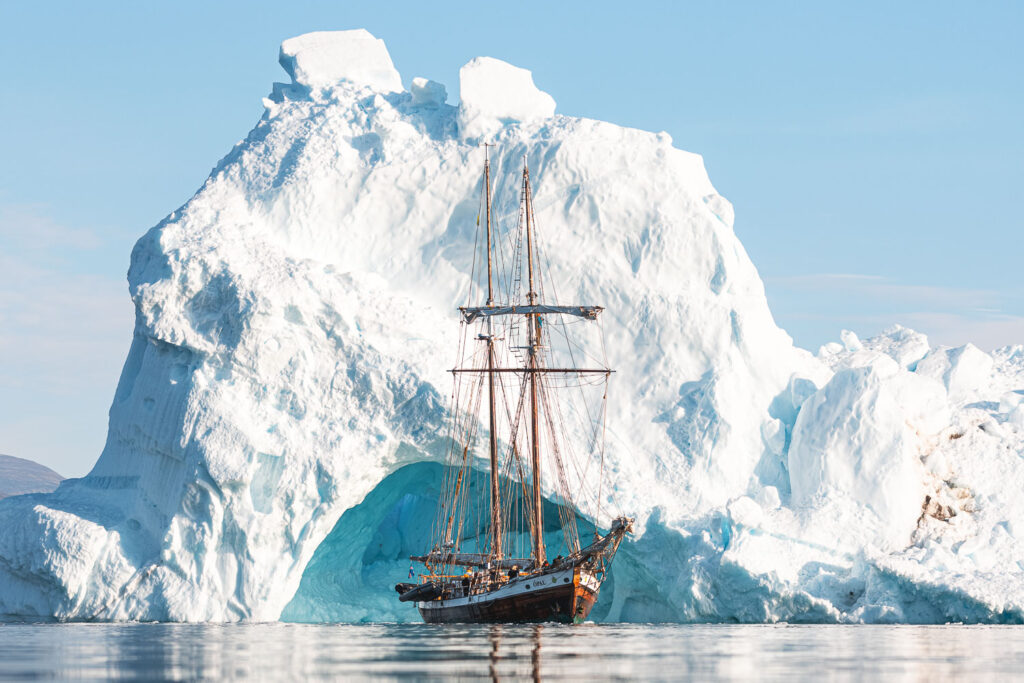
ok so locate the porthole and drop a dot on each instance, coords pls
(527, 585)
(566, 579)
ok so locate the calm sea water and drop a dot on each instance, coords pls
(550, 652)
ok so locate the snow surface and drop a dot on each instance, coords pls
(859, 438)
(494, 93)
(295, 318)
(324, 58)
(427, 93)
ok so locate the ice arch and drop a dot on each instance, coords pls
(352, 573)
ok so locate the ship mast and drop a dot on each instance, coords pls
(533, 330)
(534, 368)
(530, 589)
(496, 540)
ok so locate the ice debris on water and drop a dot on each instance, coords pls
(293, 325)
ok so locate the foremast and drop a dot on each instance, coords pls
(496, 526)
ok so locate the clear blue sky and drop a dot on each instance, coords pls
(873, 152)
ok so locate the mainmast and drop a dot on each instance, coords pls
(533, 330)
(496, 540)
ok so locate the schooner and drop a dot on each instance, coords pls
(511, 366)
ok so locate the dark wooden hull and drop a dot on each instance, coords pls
(565, 603)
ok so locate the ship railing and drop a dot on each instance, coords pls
(482, 582)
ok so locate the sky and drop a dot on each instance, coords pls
(872, 150)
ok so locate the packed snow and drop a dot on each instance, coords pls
(275, 438)
(494, 94)
(324, 58)
(427, 93)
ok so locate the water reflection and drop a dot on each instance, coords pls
(495, 646)
(507, 652)
(535, 656)
(495, 633)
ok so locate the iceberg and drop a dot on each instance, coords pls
(276, 438)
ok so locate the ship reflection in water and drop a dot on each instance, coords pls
(496, 632)
(507, 651)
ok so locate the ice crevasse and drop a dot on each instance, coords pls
(275, 439)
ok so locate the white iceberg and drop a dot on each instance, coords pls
(294, 321)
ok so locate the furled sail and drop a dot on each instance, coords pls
(471, 313)
(473, 560)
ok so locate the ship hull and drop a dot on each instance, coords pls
(565, 597)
